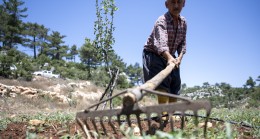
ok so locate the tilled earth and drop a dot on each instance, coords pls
(22, 130)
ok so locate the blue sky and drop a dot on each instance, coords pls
(223, 39)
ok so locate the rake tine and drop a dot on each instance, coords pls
(118, 120)
(196, 122)
(103, 126)
(128, 120)
(87, 125)
(149, 121)
(206, 124)
(139, 123)
(112, 125)
(182, 120)
(171, 121)
(161, 122)
(94, 124)
(83, 126)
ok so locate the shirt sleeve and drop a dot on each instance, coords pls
(160, 36)
(182, 48)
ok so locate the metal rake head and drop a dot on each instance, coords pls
(146, 119)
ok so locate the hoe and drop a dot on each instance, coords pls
(147, 119)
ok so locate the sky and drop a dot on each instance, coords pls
(223, 36)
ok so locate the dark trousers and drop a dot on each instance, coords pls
(153, 64)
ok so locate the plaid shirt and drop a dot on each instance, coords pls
(164, 36)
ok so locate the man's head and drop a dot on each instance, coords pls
(175, 6)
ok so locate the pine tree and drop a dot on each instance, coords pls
(12, 33)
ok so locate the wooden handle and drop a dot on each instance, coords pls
(130, 98)
(157, 79)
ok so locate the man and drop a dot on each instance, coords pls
(167, 38)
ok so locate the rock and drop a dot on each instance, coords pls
(209, 125)
(136, 130)
(36, 122)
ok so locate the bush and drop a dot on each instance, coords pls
(255, 98)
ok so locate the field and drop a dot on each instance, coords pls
(45, 117)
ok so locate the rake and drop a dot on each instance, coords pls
(146, 119)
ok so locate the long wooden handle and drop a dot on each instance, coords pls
(135, 95)
(157, 79)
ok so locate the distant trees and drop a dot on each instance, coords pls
(73, 52)
(135, 73)
(49, 50)
(258, 80)
(250, 83)
(88, 55)
(56, 50)
(15, 33)
(11, 23)
(230, 97)
(35, 35)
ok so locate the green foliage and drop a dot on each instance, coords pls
(25, 69)
(34, 36)
(255, 98)
(135, 73)
(72, 71)
(94, 54)
(104, 27)
(20, 63)
(117, 101)
(248, 117)
(55, 48)
(100, 77)
(88, 56)
(250, 83)
(73, 53)
(12, 13)
(41, 60)
(190, 90)
(5, 62)
(122, 82)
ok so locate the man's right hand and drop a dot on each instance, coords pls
(171, 59)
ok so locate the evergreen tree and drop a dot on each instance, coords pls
(183, 86)
(74, 52)
(3, 25)
(135, 73)
(12, 33)
(88, 55)
(258, 80)
(43, 38)
(250, 83)
(206, 85)
(33, 33)
(55, 49)
(116, 62)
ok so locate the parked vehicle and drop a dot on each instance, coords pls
(46, 73)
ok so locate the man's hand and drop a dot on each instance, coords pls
(178, 62)
(170, 58)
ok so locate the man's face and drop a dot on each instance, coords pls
(175, 6)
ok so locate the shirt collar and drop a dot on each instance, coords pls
(168, 14)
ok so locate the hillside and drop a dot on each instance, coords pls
(46, 108)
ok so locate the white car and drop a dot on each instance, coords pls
(46, 73)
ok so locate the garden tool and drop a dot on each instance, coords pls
(109, 122)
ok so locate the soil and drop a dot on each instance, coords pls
(55, 130)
